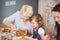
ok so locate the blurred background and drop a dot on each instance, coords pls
(43, 7)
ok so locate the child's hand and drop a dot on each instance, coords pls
(29, 33)
(47, 37)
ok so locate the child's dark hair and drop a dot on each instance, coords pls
(37, 18)
(56, 8)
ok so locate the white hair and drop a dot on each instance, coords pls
(28, 9)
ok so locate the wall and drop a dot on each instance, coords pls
(8, 10)
(44, 9)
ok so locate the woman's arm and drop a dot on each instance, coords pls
(9, 20)
(9, 24)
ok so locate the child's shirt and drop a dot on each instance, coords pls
(38, 32)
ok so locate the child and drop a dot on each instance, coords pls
(38, 27)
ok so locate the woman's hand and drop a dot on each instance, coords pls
(9, 24)
(13, 28)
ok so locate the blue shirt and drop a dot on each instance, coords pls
(18, 21)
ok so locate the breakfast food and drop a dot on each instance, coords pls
(20, 32)
(5, 30)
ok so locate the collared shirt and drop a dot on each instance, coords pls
(18, 21)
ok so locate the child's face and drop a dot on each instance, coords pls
(34, 24)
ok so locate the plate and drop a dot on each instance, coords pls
(25, 38)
